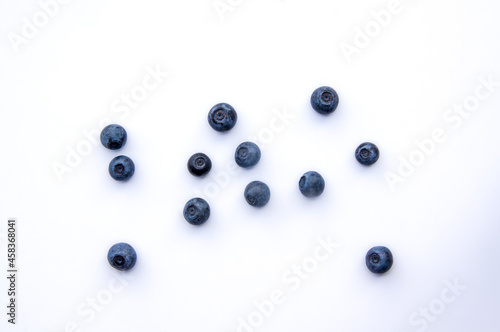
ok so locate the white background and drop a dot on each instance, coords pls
(263, 57)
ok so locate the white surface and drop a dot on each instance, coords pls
(441, 223)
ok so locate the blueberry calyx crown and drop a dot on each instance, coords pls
(119, 260)
(119, 169)
(192, 210)
(219, 115)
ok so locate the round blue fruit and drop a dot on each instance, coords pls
(121, 168)
(196, 211)
(199, 164)
(379, 259)
(311, 184)
(324, 100)
(257, 194)
(367, 153)
(222, 117)
(113, 137)
(247, 154)
(122, 256)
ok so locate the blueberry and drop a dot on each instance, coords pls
(222, 117)
(311, 184)
(199, 164)
(121, 168)
(324, 100)
(113, 137)
(379, 259)
(122, 256)
(196, 211)
(367, 154)
(247, 154)
(257, 193)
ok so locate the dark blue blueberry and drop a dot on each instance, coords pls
(199, 164)
(257, 193)
(122, 256)
(196, 211)
(222, 117)
(379, 259)
(311, 184)
(113, 137)
(324, 100)
(247, 154)
(121, 168)
(367, 154)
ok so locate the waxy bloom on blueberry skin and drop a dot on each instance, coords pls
(122, 256)
(379, 259)
(367, 153)
(324, 100)
(121, 168)
(222, 117)
(311, 184)
(196, 211)
(257, 194)
(113, 137)
(247, 154)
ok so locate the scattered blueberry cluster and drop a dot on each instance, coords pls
(121, 256)
(114, 137)
(223, 117)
